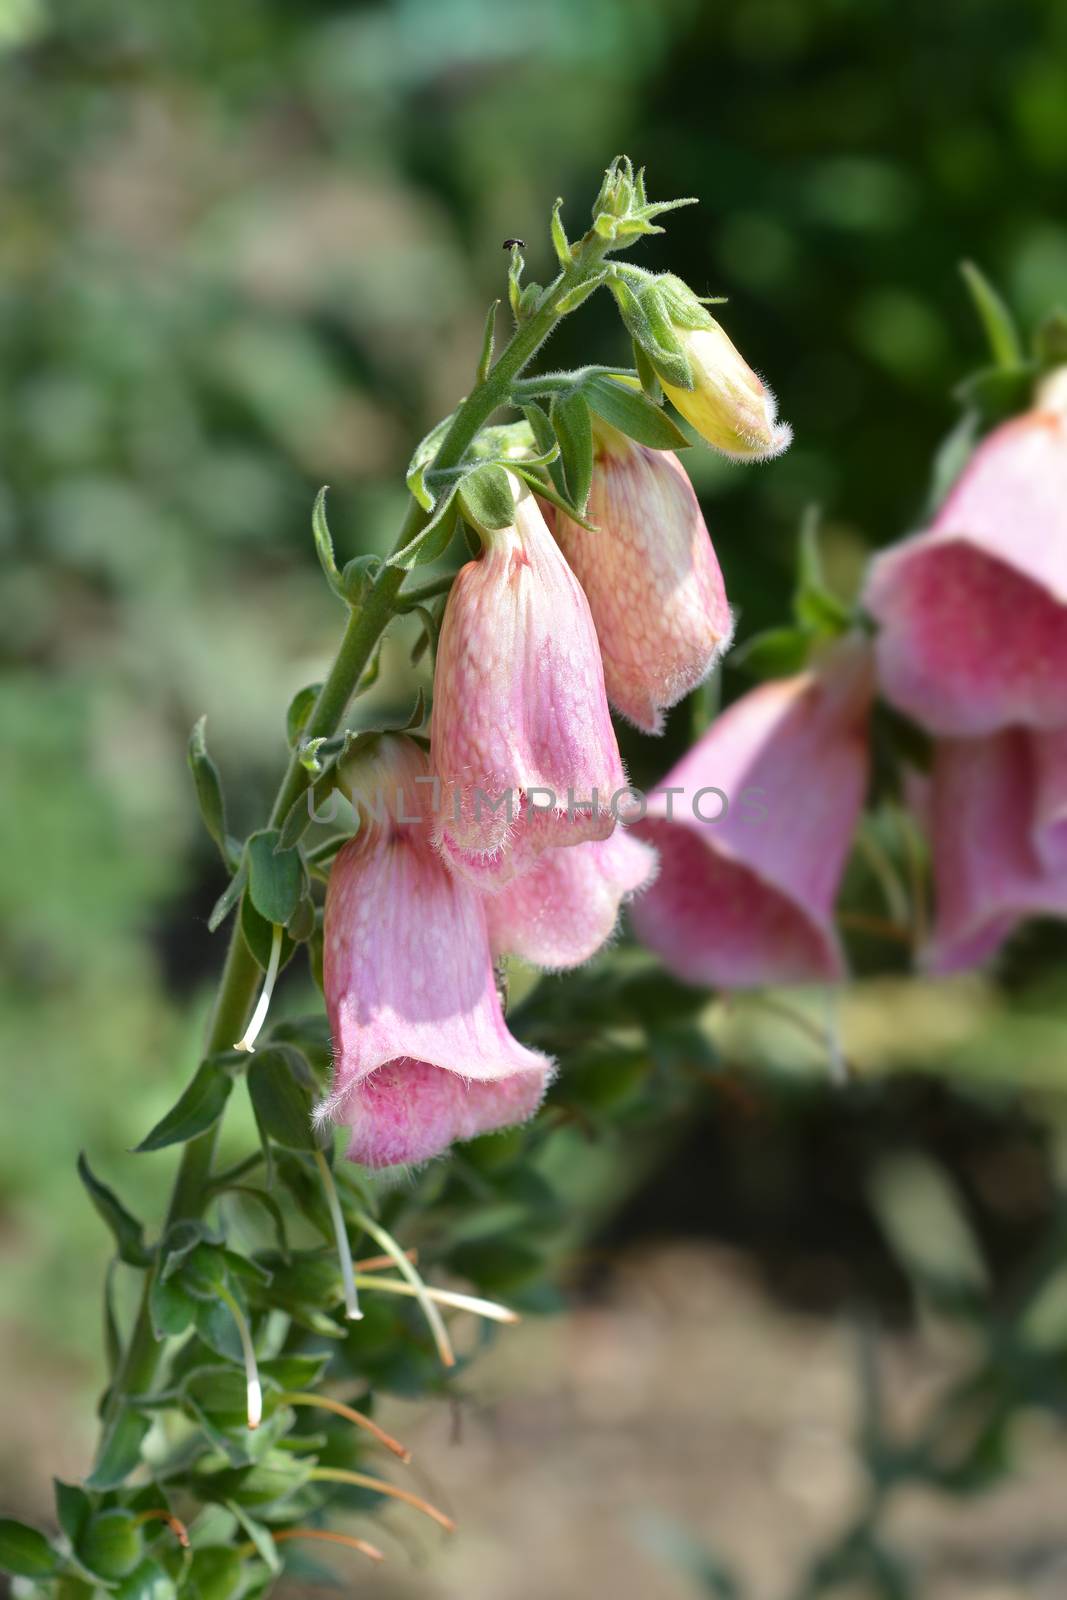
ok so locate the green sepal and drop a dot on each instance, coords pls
(569, 416)
(216, 1572)
(127, 1232)
(650, 383)
(628, 410)
(998, 324)
(560, 242)
(73, 1508)
(282, 1090)
(432, 539)
(320, 529)
(648, 326)
(111, 1544)
(486, 499)
(545, 440)
(548, 492)
(209, 793)
(24, 1551)
(515, 266)
(579, 294)
(423, 457)
(229, 897)
(357, 578)
(198, 1108)
(171, 1308)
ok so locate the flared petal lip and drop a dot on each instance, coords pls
(978, 940)
(834, 967)
(534, 1063)
(887, 564)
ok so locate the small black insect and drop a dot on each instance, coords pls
(512, 244)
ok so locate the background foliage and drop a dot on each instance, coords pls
(247, 250)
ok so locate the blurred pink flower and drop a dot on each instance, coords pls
(973, 611)
(566, 907)
(651, 578)
(521, 740)
(746, 896)
(996, 812)
(422, 1055)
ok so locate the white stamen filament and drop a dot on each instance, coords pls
(344, 1249)
(385, 1241)
(259, 1015)
(444, 1297)
(254, 1388)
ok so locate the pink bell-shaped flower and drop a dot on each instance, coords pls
(521, 743)
(973, 612)
(995, 813)
(422, 1055)
(566, 907)
(754, 838)
(651, 578)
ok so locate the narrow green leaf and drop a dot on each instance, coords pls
(432, 540)
(560, 242)
(170, 1307)
(228, 898)
(275, 877)
(24, 1551)
(775, 653)
(198, 1108)
(628, 410)
(569, 416)
(127, 1231)
(323, 542)
(650, 383)
(813, 604)
(485, 360)
(546, 442)
(423, 457)
(73, 1507)
(259, 1535)
(209, 790)
(120, 1449)
(269, 1205)
(282, 1092)
(150, 1581)
(1005, 346)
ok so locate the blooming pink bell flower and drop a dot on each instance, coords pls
(996, 813)
(651, 577)
(422, 1055)
(521, 743)
(973, 611)
(566, 907)
(755, 837)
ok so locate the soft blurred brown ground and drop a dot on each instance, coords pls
(683, 1390)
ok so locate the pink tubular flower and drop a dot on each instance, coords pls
(973, 612)
(651, 578)
(522, 743)
(566, 907)
(996, 812)
(422, 1055)
(754, 839)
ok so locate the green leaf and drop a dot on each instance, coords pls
(24, 1551)
(299, 710)
(775, 653)
(628, 410)
(150, 1581)
(282, 1092)
(259, 936)
(120, 1449)
(228, 898)
(111, 1545)
(209, 790)
(199, 1107)
(259, 1535)
(1050, 340)
(560, 242)
(170, 1307)
(275, 877)
(73, 1507)
(425, 454)
(569, 416)
(128, 1232)
(485, 360)
(486, 498)
(216, 1572)
(320, 528)
(997, 321)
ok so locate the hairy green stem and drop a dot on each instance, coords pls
(240, 975)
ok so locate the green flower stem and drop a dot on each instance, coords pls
(240, 974)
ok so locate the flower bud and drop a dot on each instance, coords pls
(651, 578)
(729, 405)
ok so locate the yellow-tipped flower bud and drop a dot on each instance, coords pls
(729, 405)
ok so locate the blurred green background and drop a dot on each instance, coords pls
(246, 249)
